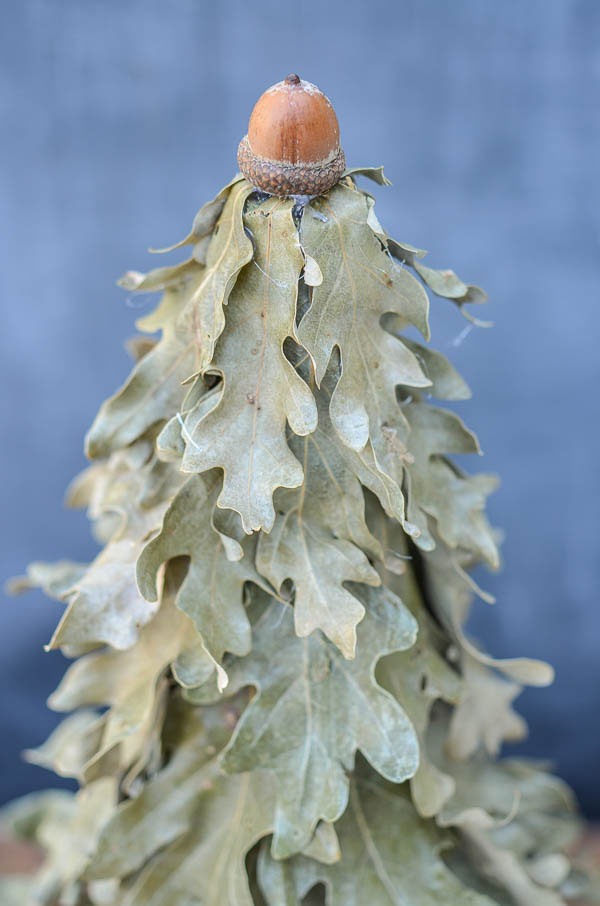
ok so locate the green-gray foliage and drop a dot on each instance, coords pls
(274, 696)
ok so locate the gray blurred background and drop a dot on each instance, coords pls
(119, 119)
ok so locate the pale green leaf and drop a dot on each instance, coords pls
(312, 272)
(421, 675)
(69, 747)
(131, 684)
(55, 579)
(207, 866)
(142, 826)
(22, 817)
(160, 278)
(390, 857)
(493, 794)
(67, 828)
(443, 283)
(191, 319)
(205, 220)
(446, 382)
(315, 709)
(331, 495)
(451, 591)
(212, 591)
(503, 868)
(360, 284)
(243, 432)
(127, 496)
(195, 841)
(364, 463)
(374, 173)
(417, 678)
(319, 564)
(105, 606)
(484, 714)
(229, 250)
(437, 488)
(324, 846)
(154, 390)
(110, 484)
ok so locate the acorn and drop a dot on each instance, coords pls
(293, 141)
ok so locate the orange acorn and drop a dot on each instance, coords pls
(293, 141)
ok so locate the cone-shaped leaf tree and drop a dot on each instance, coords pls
(273, 697)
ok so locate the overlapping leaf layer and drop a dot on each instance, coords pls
(274, 701)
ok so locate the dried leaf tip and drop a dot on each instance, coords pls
(293, 141)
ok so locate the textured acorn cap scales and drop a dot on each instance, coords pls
(293, 141)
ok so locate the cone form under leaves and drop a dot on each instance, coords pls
(273, 697)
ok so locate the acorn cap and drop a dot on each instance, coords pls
(293, 141)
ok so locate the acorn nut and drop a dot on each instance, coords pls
(293, 141)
